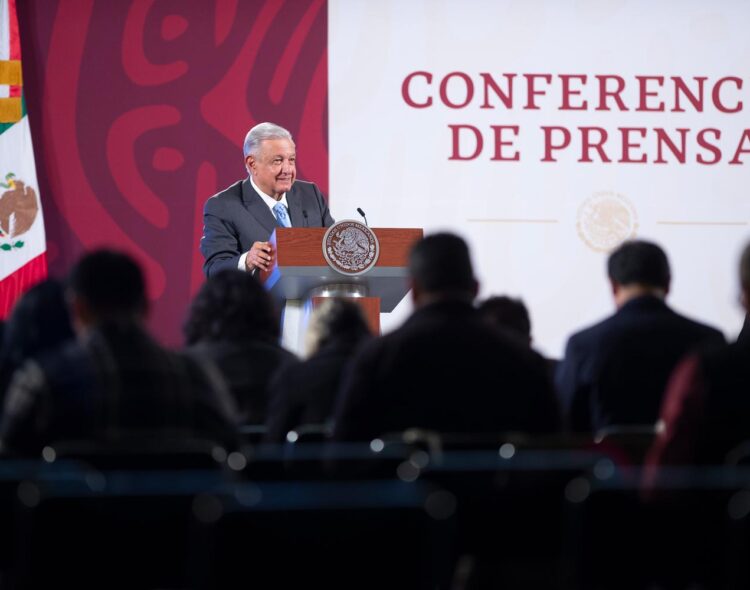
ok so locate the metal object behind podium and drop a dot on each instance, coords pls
(298, 282)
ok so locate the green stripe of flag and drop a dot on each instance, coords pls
(5, 126)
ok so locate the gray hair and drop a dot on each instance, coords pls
(260, 133)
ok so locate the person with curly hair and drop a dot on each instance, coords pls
(234, 323)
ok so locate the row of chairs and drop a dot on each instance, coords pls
(691, 531)
(190, 533)
(630, 442)
(392, 513)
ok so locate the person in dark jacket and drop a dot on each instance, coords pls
(706, 411)
(614, 372)
(39, 323)
(445, 369)
(114, 383)
(233, 323)
(512, 316)
(305, 392)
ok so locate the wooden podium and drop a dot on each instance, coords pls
(300, 272)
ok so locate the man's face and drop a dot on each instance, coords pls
(274, 168)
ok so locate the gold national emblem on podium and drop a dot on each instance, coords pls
(350, 247)
(605, 220)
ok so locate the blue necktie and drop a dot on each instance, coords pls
(281, 215)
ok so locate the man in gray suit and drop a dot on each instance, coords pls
(238, 221)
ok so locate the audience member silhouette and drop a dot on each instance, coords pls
(305, 392)
(38, 324)
(445, 369)
(233, 322)
(614, 372)
(115, 382)
(512, 316)
(507, 314)
(706, 410)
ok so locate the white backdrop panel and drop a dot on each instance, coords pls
(538, 229)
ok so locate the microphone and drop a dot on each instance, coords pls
(304, 214)
(362, 213)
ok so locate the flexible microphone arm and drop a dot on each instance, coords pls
(362, 213)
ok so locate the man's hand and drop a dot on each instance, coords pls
(260, 256)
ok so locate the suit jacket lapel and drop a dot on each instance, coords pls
(257, 207)
(295, 208)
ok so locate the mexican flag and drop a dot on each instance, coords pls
(22, 245)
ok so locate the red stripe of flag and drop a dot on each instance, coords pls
(17, 283)
(15, 41)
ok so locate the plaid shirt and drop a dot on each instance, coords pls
(115, 383)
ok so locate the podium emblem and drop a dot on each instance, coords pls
(350, 247)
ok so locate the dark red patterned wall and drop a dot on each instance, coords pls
(138, 111)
